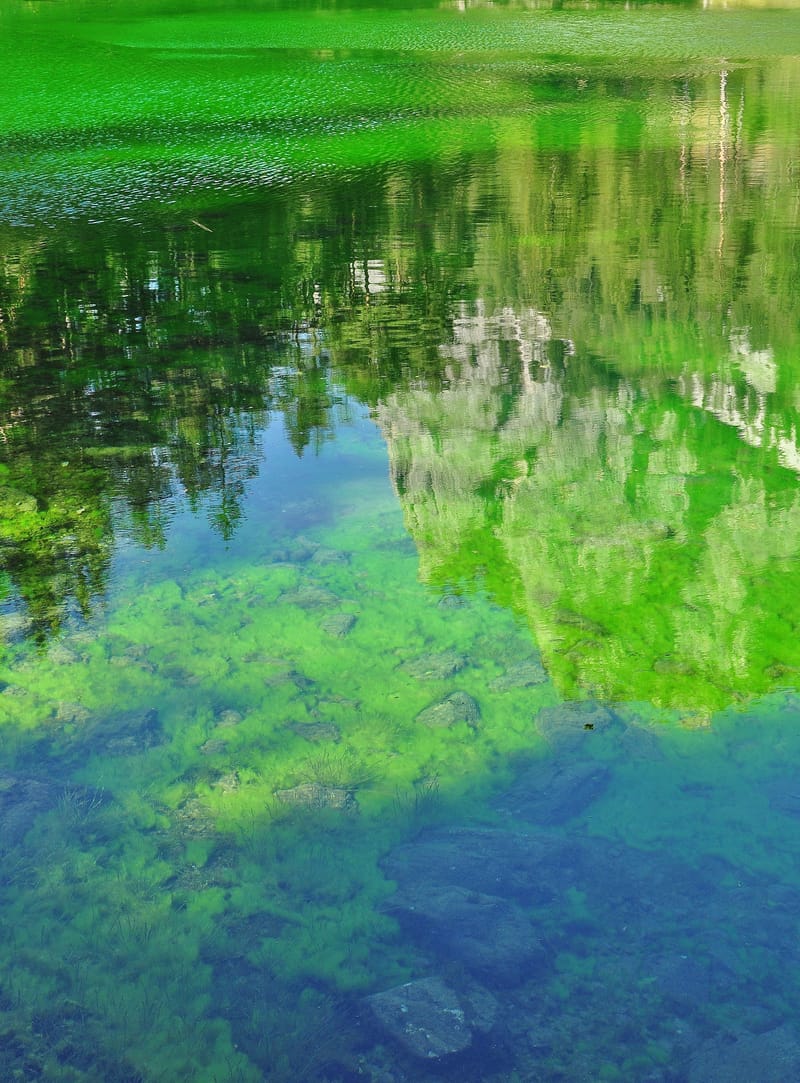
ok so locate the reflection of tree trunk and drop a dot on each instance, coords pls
(685, 125)
(724, 136)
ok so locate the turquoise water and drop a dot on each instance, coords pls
(398, 544)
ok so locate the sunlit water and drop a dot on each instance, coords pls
(399, 529)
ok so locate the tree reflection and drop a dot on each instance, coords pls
(525, 324)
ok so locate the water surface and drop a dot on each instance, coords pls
(398, 543)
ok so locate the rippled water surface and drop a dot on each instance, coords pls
(399, 543)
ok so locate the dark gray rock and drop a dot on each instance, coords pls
(310, 597)
(125, 733)
(330, 556)
(213, 746)
(551, 793)
(315, 731)
(296, 554)
(490, 860)
(639, 743)
(784, 797)
(425, 1017)
(455, 708)
(338, 625)
(434, 667)
(21, 801)
(569, 723)
(23, 798)
(773, 1057)
(71, 713)
(520, 675)
(227, 719)
(680, 980)
(451, 601)
(314, 795)
(490, 936)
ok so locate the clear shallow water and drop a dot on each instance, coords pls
(398, 534)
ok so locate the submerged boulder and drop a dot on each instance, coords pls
(338, 625)
(551, 793)
(520, 675)
(315, 795)
(772, 1057)
(23, 798)
(424, 1017)
(571, 723)
(434, 666)
(21, 801)
(126, 733)
(490, 860)
(491, 936)
(430, 1020)
(315, 731)
(449, 711)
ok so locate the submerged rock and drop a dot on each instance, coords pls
(433, 666)
(298, 553)
(451, 601)
(315, 795)
(330, 556)
(126, 733)
(425, 1017)
(71, 713)
(309, 597)
(15, 626)
(338, 624)
(773, 1057)
(315, 731)
(520, 675)
(490, 936)
(681, 980)
(552, 793)
(213, 746)
(568, 723)
(489, 860)
(23, 798)
(21, 801)
(457, 707)
(229, 718)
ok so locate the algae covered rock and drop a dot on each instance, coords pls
(21, 801)
(23, 798)
(315, 732)
(229, 718)
(309, 597)
(425, 1017)
(492, 937)
(127, 733)
(570, 723)
(552, 793)
(434, 666)
(487, 859)
(15, 626)
(520, 675)
(338, 625)
(71, 713)
(772, 1057)
(452, 709)
(316, 795)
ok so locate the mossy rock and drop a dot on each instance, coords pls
(434, 666)
(454, 708)
(338, 624)
(315, 795)
(316, 731)
(520, 675)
